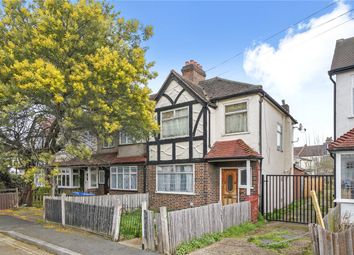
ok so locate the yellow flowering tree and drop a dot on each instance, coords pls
(69, 68)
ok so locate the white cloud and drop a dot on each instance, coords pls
(296, 69)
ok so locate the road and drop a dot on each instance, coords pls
(9, 246)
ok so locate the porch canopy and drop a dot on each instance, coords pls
(343, 149)
(229, 150)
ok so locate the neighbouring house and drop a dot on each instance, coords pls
(115, 167)
(314, 159)
(342, 148)
(216, 138)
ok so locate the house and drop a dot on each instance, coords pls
(342, 148)
(116, 166)
(216, 138)
(314, 159)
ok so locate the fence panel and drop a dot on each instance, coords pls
(8, 199)
(236, 214)
(98, 219)
(325, 242)
(52, 210)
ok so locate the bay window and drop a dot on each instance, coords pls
(124, 177)
(347, 176)
(236, 118)
(174, 123)
(175, 178)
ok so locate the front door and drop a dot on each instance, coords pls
(229, 186)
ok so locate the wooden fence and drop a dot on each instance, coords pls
(8, 198)
(325, 242)
(128, 201)
(164, 231)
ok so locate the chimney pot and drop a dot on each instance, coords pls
(193, 71)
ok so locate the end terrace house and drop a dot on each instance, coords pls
(342, 149)
(217, 137)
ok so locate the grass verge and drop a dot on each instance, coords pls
(208, 239)
(273, 240)
(130, 225)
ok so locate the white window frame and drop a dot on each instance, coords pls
(239, 177)
(279, 148)
(68, 171)
(72, 178)
(174, 110)
(175, 192)
(128, 139)
(106, 145)
(130, 173)
(338, 178)
(90, 172)
(101, 174)
(240, 111)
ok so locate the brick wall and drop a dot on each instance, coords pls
(206, 189)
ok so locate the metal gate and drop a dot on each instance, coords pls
(287, 197)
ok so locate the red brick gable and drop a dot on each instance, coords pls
(345, 142)
(233, 149)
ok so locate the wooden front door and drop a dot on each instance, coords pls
(229, 187)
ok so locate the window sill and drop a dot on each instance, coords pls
(351, 117)
(68, 187)
(175, 137)
(175, 193)
(92, 187)
(344, 201)
(238, 133)
(124, 189)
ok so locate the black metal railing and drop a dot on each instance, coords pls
(287, 197)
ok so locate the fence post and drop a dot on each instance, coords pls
(63, 195)
(164, 230)
(17, 198)
(143, 232)
(117, 213)
(44, 197)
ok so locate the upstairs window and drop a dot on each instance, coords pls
(279, 137)
(236, 118)
(174, 123)
(108, 143)
(125, 139)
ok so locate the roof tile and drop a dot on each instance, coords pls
(344, 142)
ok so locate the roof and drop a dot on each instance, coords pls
(345, 142)
(233, 149)
(103, 159)
(343, 57)
(310, 150)
(217, 88)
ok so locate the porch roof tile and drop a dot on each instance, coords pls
(345, 142)
(104, 159)
(233, 149)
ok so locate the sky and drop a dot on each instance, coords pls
(231, 39)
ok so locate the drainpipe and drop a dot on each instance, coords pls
(260, 151)
(330, 74)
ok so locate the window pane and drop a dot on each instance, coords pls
(182, 112)
(76, 180)
(114, 181)
(133, 181)
(101, 177)
(120, 181)
(236, 123)
(230, 183)
(235, 107)
(167, 115)
(177, 178)
(243, 180)
(126, 181)
(347, 178)
(93, 179)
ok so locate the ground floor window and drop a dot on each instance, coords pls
(175, 178)
(347, 176)
(101, 177)
(68, 178)
(124, 177)
(242, 178)
(93, 178)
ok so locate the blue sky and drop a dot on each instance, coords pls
(212, 31)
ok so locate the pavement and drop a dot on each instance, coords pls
(10, 246)
(75, 241)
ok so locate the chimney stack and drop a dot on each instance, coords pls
(285, 106)
(193, 71)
